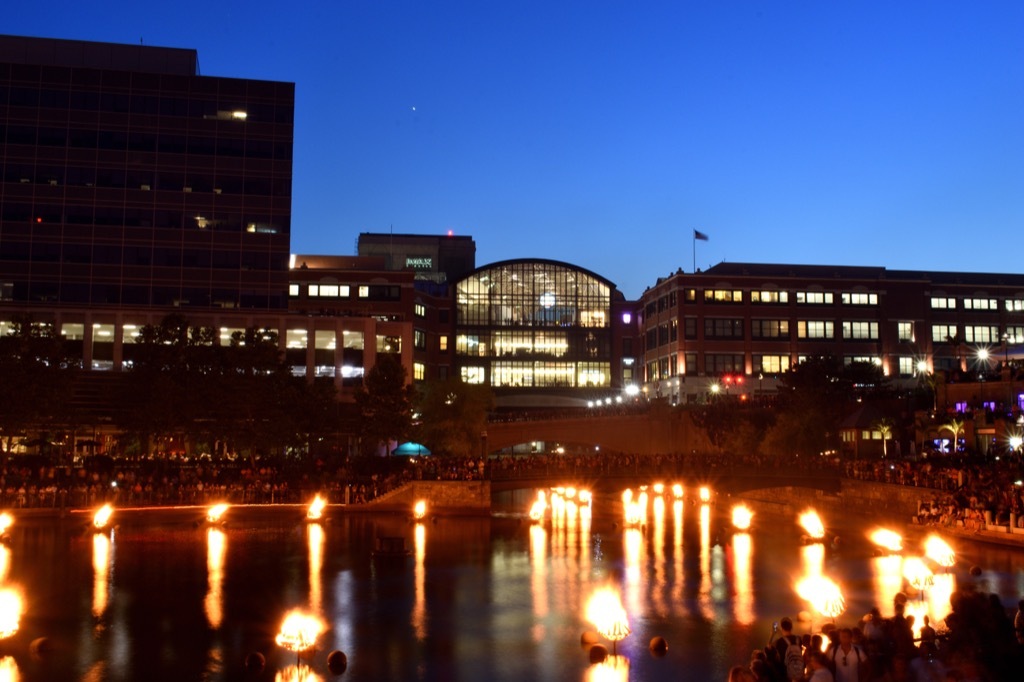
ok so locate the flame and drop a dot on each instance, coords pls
(215, 512)
(10, 612)
(916, 572)
(811, 523)
(585, 497)
(299, 631)
(316, 508)
(627, 496)
(936, 549)
(633, 513)
(5, 521)
(605, 611)
(537, 510)
(741, 517)
(677, 490)
(102, 516)
(659, 488)
(823, 594)
(886, 539)
(705, 494)
(419, 510)
(570, 493)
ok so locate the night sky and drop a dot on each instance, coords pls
(604, 133)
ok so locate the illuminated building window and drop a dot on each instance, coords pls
(723, 296)
(1015, 305)
(815, 329)
(293, 290)
(943, 302)
(769, 297)
(364, 291)
(419, 339)
(943, 333)
(907, 366)
(814, 297)
(472, 375)
(860, 330)
(868, 359)
(389, 344)
(419, 371)
(980, 304)
(419, 310)
(1015, 334)
(769, 329)
(770, 364)
(905, 332)
(859, 298)
(690, 295)
(442, 343)
(626, 318)
(981, 334)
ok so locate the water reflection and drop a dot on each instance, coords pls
(612, 669)
(706, 606)
(5, 562)
(101, 561)
(9, 669)
(216, 550)
(297, 673)
(743, 579)
(315, 539)
(419, 610)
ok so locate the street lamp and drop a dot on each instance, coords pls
(982, 365)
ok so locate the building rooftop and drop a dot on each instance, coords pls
(91, 55)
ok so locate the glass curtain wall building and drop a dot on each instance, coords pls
(534, 324)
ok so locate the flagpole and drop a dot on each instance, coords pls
(693, 238)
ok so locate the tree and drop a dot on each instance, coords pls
(885, 427)
(36, 374)
(385, 403)
(956, 427)
(453, 414)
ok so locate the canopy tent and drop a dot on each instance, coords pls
(410, 449)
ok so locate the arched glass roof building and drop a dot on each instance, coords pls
(538, 332)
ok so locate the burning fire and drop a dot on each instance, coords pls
(316, 508)
(823, 594)
(102, 516)
(659, 488)
(10, 613)
(5, 522)
(936, 549)
(677, 490)
(299, 631)
(215, 512)
(812, 524)
(605, 611)
(585, 497)
(419, 510)
(537, 510)
(887, 539)
(705, 494)
(741, 517)
(917, 573)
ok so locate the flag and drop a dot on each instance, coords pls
(700, 236)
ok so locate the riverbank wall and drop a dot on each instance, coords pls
(858, 499)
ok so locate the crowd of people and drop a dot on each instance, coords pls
(977, 642)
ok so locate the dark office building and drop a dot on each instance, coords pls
(434, 258)
(128, 180)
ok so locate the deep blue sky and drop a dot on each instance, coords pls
(603, 133)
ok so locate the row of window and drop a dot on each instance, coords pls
(539, 374)
(760, 365)
(370, 292)
(1013, 305)
(852, 298)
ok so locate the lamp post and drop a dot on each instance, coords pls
(983, 363)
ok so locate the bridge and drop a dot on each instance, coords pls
(723, 480)
(642, 434)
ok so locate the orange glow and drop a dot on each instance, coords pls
(316, 508)
(537, 510)
(886, 539)
(297, 673)
(419, 510)
(101, 571)
(918, 575)
(216, 512)
(741, 517)
(419, 609)
(585, 497)
(102, 516)
(604, 607)
(5, 521)
(216, 549)
(659, 488)
(743, 578)
(812, 524)
(612, 669)
(10, 612)
(677, 490)
(570, 493)
(299, 631)
(315, 537)
(5, 562)
(823, 594)
(705, 494)
(9, 669)
(939, 551)
(627, 496)
(633, 514)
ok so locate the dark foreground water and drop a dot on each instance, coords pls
(477, 599)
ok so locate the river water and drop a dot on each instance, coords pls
(495, 598)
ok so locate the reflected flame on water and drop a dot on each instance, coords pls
(10, 612)
(9, 670)
(812, 558)
(315, 540)
(612, 669)
(812, 524)
(704, 599)
(419, 609)
(538, 570)
(741, 517)
(888, 581)
(918, 575)
(743, 578)
(101, 545)
(5, 562)
(297, 673)
(316, 508)
(632, 542)
(939, 551)
(677, 551)
(886, 539)
(102, 516)
(537, 510)
(216, 549)
(657, 542)
(6, 520)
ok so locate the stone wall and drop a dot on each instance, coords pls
(882, 501)
(466, 497)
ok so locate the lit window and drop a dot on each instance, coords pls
(330, 290)
(815, 329)
(943, 302)
(723, 295)
(943, 333)
(907, 366)
(364, 291)
(314, 290)
(769, 297)
(980, 304)
(860, 330)
(770, 364)
(473, 375)
(419, 310)
(626, 318)
(905, 331)
(1015, 305)
(419, 371)
(293, 290)
(981, 334)
(814, 297)
(443, 343)
(858, 298)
